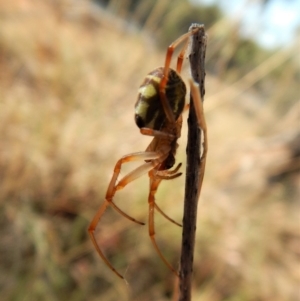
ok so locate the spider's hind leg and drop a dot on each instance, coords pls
(167, 175)
(154, 183)
(197, 100)
(112, 188)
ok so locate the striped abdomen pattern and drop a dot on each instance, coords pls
(149, 111)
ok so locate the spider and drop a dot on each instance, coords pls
(158, 113)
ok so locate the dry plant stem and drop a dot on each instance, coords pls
(194, 169)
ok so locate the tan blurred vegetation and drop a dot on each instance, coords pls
(69, 75)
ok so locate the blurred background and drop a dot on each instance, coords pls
(69, 75)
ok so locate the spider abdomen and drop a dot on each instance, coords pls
(149, 111)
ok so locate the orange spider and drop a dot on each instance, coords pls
(158, 113)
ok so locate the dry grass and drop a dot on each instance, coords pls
(68, 82)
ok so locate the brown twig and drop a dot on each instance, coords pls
(195, 167)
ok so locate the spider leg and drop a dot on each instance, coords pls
(112, 188)
(186, 107)
(181, 56)
(175, 169)
(154, 183)
(155, 133)
(139, 171)
(166, 216)
(163, 82)
(197, 100)
(169, 174)
(171, 49)
(91, 231)
(168, 177)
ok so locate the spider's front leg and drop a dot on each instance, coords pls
(163, 83)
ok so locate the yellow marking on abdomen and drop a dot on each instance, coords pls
(148, 91)
(141, 109)
(154, 78)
